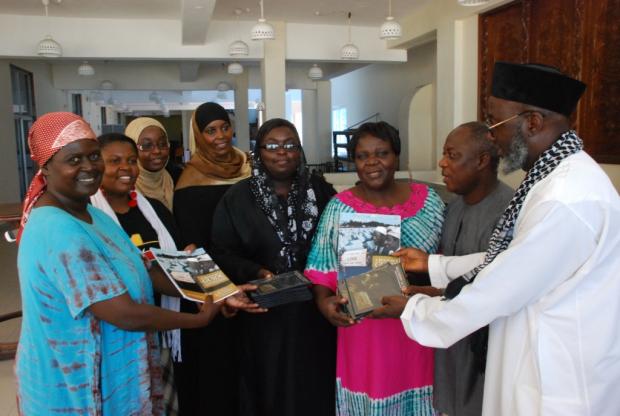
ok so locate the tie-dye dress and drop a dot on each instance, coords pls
(68, 361)
(380, 371)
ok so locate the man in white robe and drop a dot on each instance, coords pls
(550, 294)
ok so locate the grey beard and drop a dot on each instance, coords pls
(517, 155)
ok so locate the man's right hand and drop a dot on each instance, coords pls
(413, 259)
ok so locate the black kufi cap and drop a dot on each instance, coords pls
(538, 85)
(209, 112)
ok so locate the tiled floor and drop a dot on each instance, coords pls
(9, 331)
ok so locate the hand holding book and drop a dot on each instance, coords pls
(331, 306)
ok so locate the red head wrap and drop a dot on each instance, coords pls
(50, 133)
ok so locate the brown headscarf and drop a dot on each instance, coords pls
(157, 185)
(50, 133)
(205, 168)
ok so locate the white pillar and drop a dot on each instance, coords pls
(324, 121)
(273, 72)
(242, 125)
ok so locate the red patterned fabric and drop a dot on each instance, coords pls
(50, 133)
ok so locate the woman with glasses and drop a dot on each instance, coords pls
(153, 152)
(380, 371)
(264, 226)
(212, 170)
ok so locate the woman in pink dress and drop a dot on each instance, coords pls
(380, 371)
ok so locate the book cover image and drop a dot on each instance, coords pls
(365, 241)
(194, 274)
(365, 291)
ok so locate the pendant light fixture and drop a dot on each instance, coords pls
(315, 73)
(235, 68)
(390, 29)
(349, 51)
(86, 70)
(106, 84)
(263, 30)
(238, 47)
(48, 47)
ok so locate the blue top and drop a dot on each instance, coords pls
(68, 361)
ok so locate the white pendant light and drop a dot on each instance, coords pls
(235, 68)
(48, 47)
(238, 48)
(86, 70)
(315, 73)
(349, 51)
(222, 86)
(472, 2)
(390, 29)
(106, 84)
(263, 30)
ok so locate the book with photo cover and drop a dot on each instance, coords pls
(194, 274)
(365, 291)
(281, 289)
(365, 241)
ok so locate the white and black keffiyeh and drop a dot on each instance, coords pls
(294, 221)
(568, 144)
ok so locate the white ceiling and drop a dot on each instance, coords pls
(364, 12)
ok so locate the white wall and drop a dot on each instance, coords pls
(386, 89)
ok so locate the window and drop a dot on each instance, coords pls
(76, 102)
(294, 110)
(339, 119)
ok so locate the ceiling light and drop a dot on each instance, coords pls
(235, 68)
(472, 2)
(390, 29)
(48, 47)
(263, 30)
(86, 70)
(106, 84)
(315, 73)
(349, 51)
(222, 86)
(238, 48)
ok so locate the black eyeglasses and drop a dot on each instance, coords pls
(147, 147)
(274, 147)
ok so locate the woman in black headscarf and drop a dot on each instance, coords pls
(264, 226)
(213, 169)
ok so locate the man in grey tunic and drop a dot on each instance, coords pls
(469, 167)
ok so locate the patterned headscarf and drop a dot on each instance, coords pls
(50, 133)
(294, 221)
(157, 185)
